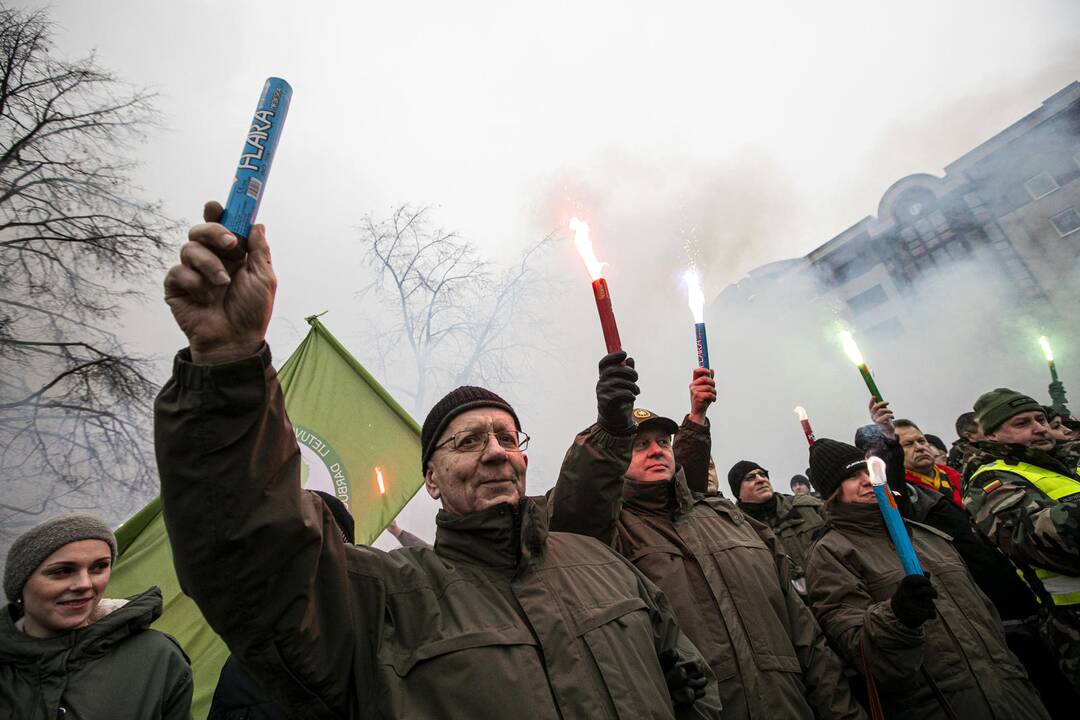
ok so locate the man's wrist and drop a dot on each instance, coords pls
(224, 354)
(698, 418)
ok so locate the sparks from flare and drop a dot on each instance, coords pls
(379, 481)
(695, 296)
(850, 348)
(1044, 343)
(585, 248)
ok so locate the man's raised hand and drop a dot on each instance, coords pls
(702, 394)
(221, 296)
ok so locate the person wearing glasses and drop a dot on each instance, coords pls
(726, 575)
(502, 618)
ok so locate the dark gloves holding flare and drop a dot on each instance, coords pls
(616, 391)
(913, 601)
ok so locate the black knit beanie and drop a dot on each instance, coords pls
(831, 462)
(453, 404)
(738, 471)
(342, 516)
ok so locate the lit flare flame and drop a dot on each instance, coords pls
(695, 296)
(1044, 343)
(585, 249)
(876, 466)
(850, 348)
(379, 481)
(800, 412)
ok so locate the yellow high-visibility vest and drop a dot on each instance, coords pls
(1062, 589)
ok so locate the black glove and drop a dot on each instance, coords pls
(913, 601)
(615, 393)
(686, 679)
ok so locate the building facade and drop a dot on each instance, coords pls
(1013, 203)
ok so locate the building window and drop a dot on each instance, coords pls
(867, 300)
(1041, 185)
(1066, 222)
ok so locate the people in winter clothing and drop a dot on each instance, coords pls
(932, 647)
(725, 574)
(501, 617)
(800, 485)
(919, 460)
(792, 518)
(968, 432)
(1024, 500)
(68, 652)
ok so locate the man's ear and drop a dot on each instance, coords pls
(430, 485)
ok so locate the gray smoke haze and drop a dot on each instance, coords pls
(729, 136)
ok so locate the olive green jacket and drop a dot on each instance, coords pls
(795, 519)
(725, 575)
(115, 668)
(501, 619)
(852, 572)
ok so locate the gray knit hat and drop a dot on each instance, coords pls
(32, 547)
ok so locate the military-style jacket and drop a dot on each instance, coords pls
(728, 580)
(795, 519)
(851, 574)
(1032, 529)
(115, 668)
(501, 619)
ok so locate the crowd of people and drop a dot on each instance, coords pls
(633, 589)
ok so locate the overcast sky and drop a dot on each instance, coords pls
(748, 132)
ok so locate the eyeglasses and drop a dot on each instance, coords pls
(470, 441)
(643, 444)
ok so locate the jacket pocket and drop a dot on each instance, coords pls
(619, 637)
(480, 674)
(404, 661)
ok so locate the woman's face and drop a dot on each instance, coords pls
(63, 592)
(857, 489)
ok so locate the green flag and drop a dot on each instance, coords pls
(355, 441)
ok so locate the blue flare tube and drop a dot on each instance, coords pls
(260, 147)
(891, 515)
(702, 345)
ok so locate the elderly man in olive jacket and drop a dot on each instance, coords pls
(726, 574)
(502, 619)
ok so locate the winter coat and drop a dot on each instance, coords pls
(851, 574)
(1035, 532)
(501, 619)
(725, 575)
(116, 668)
(795, 519)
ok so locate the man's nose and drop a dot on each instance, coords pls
(493, 451)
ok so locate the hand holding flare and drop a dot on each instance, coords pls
(599, 285)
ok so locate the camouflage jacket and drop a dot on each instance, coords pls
(1029, 527)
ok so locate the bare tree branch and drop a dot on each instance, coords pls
(451, 314)
(74, 404)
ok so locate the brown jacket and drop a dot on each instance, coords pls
(725, 576)
(501, 619)
(852, 572)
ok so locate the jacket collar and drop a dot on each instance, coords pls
(857, 518)
(85, 643)
(672, 498)
(1012, 453)
(504, 537)
(763, 511)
